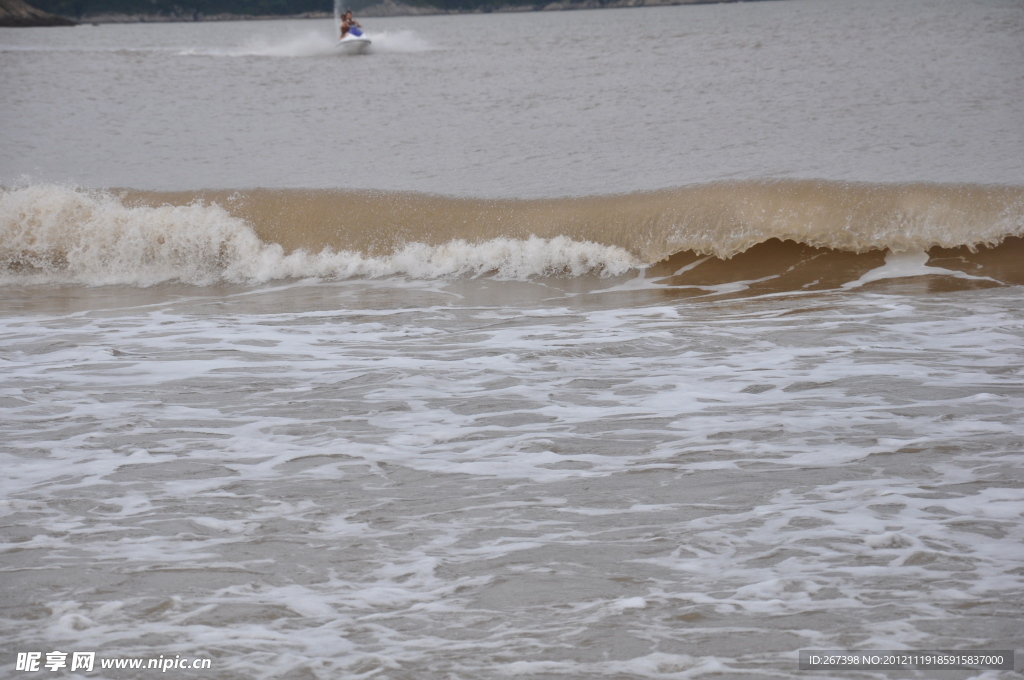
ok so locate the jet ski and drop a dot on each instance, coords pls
(354, 42)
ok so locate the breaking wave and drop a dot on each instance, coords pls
(54, 234)
(61, 235)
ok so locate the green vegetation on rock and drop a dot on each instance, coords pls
(18, 13)
(188, 10)
(82, 9)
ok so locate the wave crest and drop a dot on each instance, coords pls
(63, 235)
(729, 218)
(52, 234)
(721, 219)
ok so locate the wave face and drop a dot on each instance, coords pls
(53, 234)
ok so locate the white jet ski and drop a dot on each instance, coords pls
(354, 43)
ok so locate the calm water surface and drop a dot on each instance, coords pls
(547, 103)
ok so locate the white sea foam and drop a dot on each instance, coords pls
(311, 43)
(399, 41)
(904, 264)
(312, 479)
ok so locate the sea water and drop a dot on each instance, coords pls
(647, 343)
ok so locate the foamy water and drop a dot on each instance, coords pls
(504, 352)
(318, 42)
(314, 479)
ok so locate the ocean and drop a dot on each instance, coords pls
(633, 343)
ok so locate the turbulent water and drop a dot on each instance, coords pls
(51, 234)
(512, 348)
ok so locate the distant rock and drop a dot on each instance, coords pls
(20, 13)
(391, 8)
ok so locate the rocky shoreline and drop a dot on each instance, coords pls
(388, 8)
(22, 14)
(16, 13)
